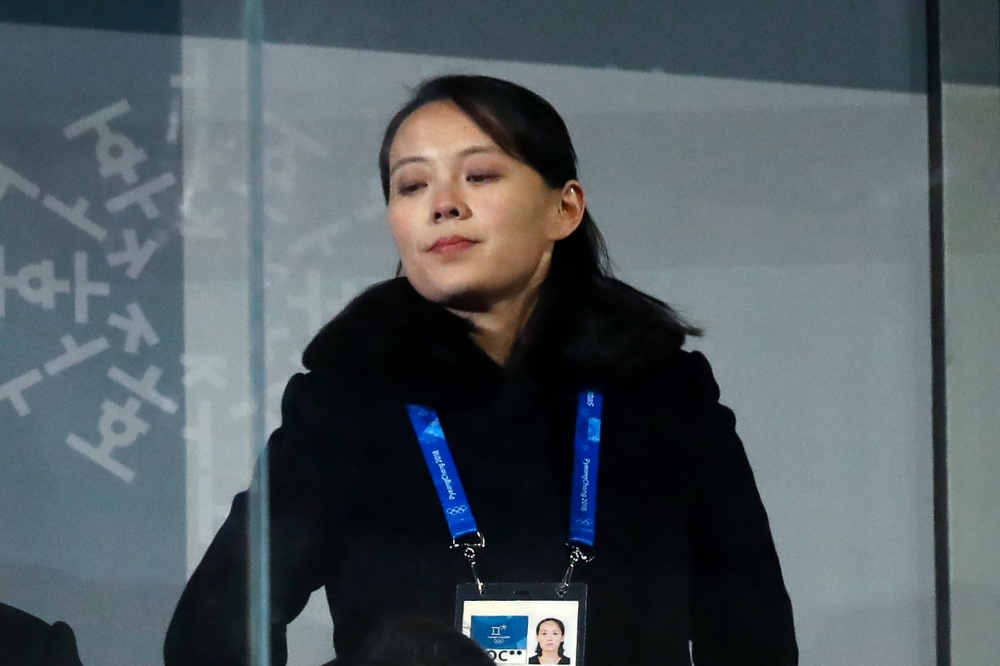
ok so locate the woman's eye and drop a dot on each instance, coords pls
(481, 177)
(408, 188)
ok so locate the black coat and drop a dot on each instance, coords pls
(683, 546)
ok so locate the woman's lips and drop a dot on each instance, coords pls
(451, 244)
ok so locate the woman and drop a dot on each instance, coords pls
(506, 312)
(550, 635)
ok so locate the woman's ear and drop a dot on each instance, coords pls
(572, 205)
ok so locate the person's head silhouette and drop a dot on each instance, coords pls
(416, 642)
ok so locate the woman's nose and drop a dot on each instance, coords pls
(449, 206)
(446, 211)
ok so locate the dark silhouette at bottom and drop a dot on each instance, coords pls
(416, 642)
(26, 640)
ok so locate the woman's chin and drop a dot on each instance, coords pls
(454, 294)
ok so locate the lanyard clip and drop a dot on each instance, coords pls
(576, 555)
(468, 548)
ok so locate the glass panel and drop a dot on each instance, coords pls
(92, 468)
(128, 424)
(783, 210)
(223, 319)
(171, 240)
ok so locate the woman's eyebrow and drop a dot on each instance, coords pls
(465, 152)
(404, 161)
(472, 150)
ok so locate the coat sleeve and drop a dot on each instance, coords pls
(209, 625)
(742, 614)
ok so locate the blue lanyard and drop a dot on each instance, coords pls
(586, 454)
(437, 455)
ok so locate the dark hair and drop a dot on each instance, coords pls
(530, 130)
(562, 630)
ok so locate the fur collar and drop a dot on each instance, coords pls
(391, 336)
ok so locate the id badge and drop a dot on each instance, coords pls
(525, 623)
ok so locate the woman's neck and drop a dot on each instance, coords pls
(497, 321)
(496, 328)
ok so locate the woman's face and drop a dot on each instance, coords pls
(549, 636)
(472, 224)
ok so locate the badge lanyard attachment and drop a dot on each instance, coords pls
(576, 555)
(468, 544)
(583, 499)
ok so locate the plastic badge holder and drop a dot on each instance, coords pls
(505, 618)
